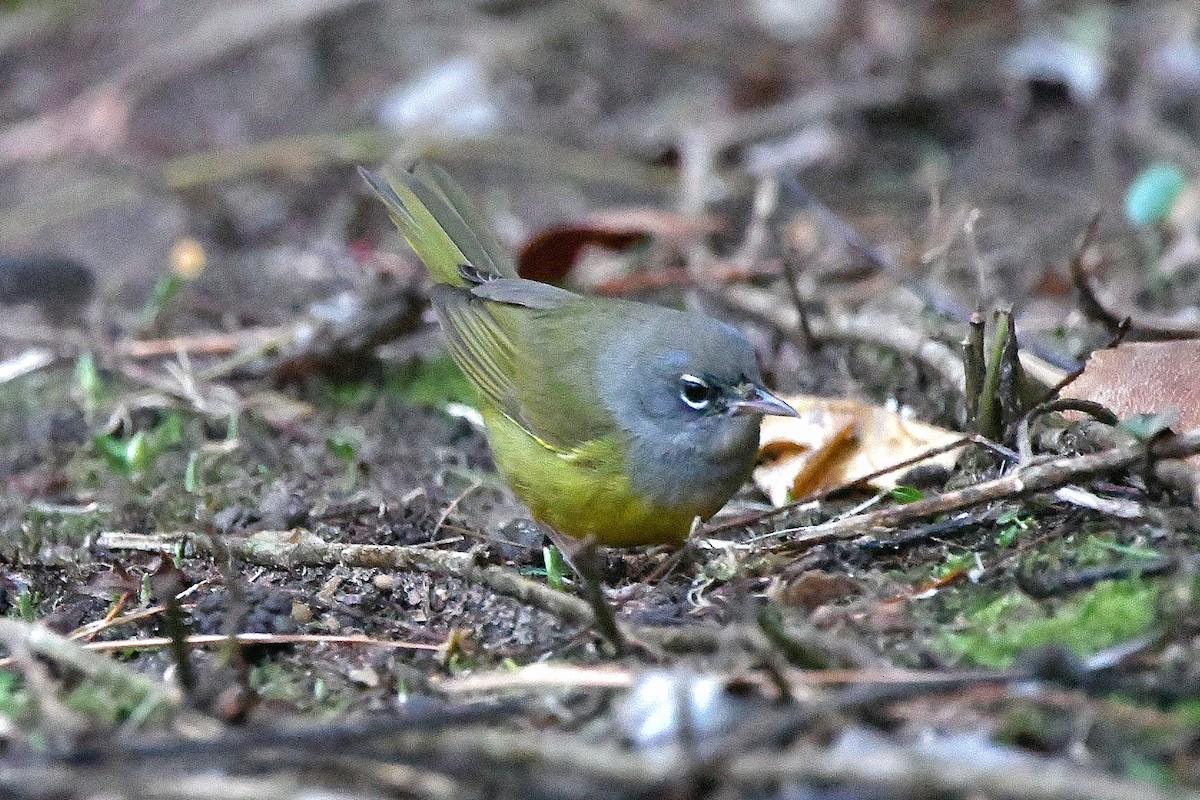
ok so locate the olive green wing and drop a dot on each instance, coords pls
(486, 354)
(519, 343)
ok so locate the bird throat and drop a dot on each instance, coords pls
(698, 470)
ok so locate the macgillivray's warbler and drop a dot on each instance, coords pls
(613, 419)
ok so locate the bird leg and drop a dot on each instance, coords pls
(583, 558)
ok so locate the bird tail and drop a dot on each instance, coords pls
(438, 220)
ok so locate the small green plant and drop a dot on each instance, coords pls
(954, 563)
(191, 480)
(187, 261)
(555, 567)
(272, 681)
(1099, 548)
(345, 449)
(133, 456)
(1012, 524)
(129, 457)
(89, 388)
(28, 601)
(1145, 427)
(341, 448)
(13, 699)
(1127, 550)
(906, 494)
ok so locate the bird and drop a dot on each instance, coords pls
(611, 420)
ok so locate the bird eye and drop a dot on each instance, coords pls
(695, 392)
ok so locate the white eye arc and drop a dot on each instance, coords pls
(695, 392)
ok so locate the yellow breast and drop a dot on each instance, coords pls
(585, 491)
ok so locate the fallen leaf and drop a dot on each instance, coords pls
(835, 442)
(814, 588)
(793, 459)
(1144, 378)
(550, 254)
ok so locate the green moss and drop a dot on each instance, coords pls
(1100, 549)
(954, 563)
(1092, 545)
(997, 632)
(433, 382)
(321, 695)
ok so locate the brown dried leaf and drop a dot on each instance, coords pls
(793, 458)
(550, 254)
(835, 442)
(814, 588)
(1144, 378)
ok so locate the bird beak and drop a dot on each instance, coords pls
(757, 400)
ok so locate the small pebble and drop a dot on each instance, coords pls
(364, 676)
(301, 612)
(328, 589)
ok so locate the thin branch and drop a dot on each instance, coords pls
(207, 639)
(744, 520)
(1027, 480)
(890, 335)
(289, 549)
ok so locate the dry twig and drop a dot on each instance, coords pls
(38, 639)
(289, 549)
(1027, 480)
(887, 334)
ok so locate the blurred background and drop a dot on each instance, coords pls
(968, 142)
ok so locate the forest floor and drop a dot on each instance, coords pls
(253, 544)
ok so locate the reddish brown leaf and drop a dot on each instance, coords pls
(1144, 378)
(815, 587)
(549, 255)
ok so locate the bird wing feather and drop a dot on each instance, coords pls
(439, 223)
(528, 347)
(522, 346)
(468, 231)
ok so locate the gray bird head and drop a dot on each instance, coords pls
(687, 391)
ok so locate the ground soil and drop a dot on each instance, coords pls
(934, 158)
